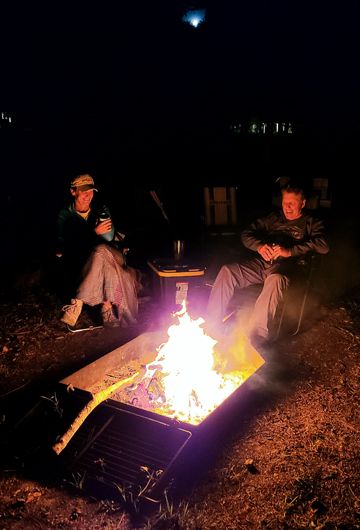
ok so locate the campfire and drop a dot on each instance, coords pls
(141, 404)
(189, 377)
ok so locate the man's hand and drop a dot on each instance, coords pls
(102, 228)
(266, 252)
(269, 253)
(280, 251)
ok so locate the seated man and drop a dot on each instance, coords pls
(93, 265)
(278, 240)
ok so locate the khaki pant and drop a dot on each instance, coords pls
(249, 273)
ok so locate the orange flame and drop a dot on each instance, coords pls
(192, 386)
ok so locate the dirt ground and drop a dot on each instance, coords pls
(290, 458)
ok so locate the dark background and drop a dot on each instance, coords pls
(142, 101)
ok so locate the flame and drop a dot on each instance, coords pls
(189, 368)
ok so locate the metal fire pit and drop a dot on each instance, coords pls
(123, 446)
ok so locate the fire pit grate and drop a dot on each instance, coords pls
(123, 449)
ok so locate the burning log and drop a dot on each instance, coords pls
(90, 406)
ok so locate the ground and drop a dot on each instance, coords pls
(290, 458)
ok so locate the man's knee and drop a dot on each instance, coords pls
(277, 282)
(100, 249)
(227, 273)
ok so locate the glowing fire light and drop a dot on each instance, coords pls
(191, 386)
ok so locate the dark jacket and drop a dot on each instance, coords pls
(77, 237)
(302, 235)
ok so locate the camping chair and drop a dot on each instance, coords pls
(302, 291)
(301, 283)
(220, 229)
(220, 210)
(119, 243)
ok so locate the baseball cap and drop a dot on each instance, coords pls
(83, 183)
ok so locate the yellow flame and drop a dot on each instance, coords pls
(191, 385)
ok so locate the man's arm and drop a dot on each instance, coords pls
(256, 235)
(315, 242)
(255, 238)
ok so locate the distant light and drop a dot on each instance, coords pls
(194, 17)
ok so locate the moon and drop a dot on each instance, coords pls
(194, 17)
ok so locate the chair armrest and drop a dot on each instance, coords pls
(306, 259)
(119, 236)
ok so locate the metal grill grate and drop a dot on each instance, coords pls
(125, 449)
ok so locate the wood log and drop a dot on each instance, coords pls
(89, 407)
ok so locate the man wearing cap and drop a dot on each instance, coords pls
(93, 266)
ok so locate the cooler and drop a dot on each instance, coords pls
(175, 281)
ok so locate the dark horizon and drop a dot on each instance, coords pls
(139, 65)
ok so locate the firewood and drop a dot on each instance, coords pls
(89, 407)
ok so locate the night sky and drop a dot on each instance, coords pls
(141, 100)
(138, 63)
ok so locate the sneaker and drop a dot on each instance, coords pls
(72, 312)
(108, 316)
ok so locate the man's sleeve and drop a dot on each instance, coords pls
(256, 234)
(315, 241)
